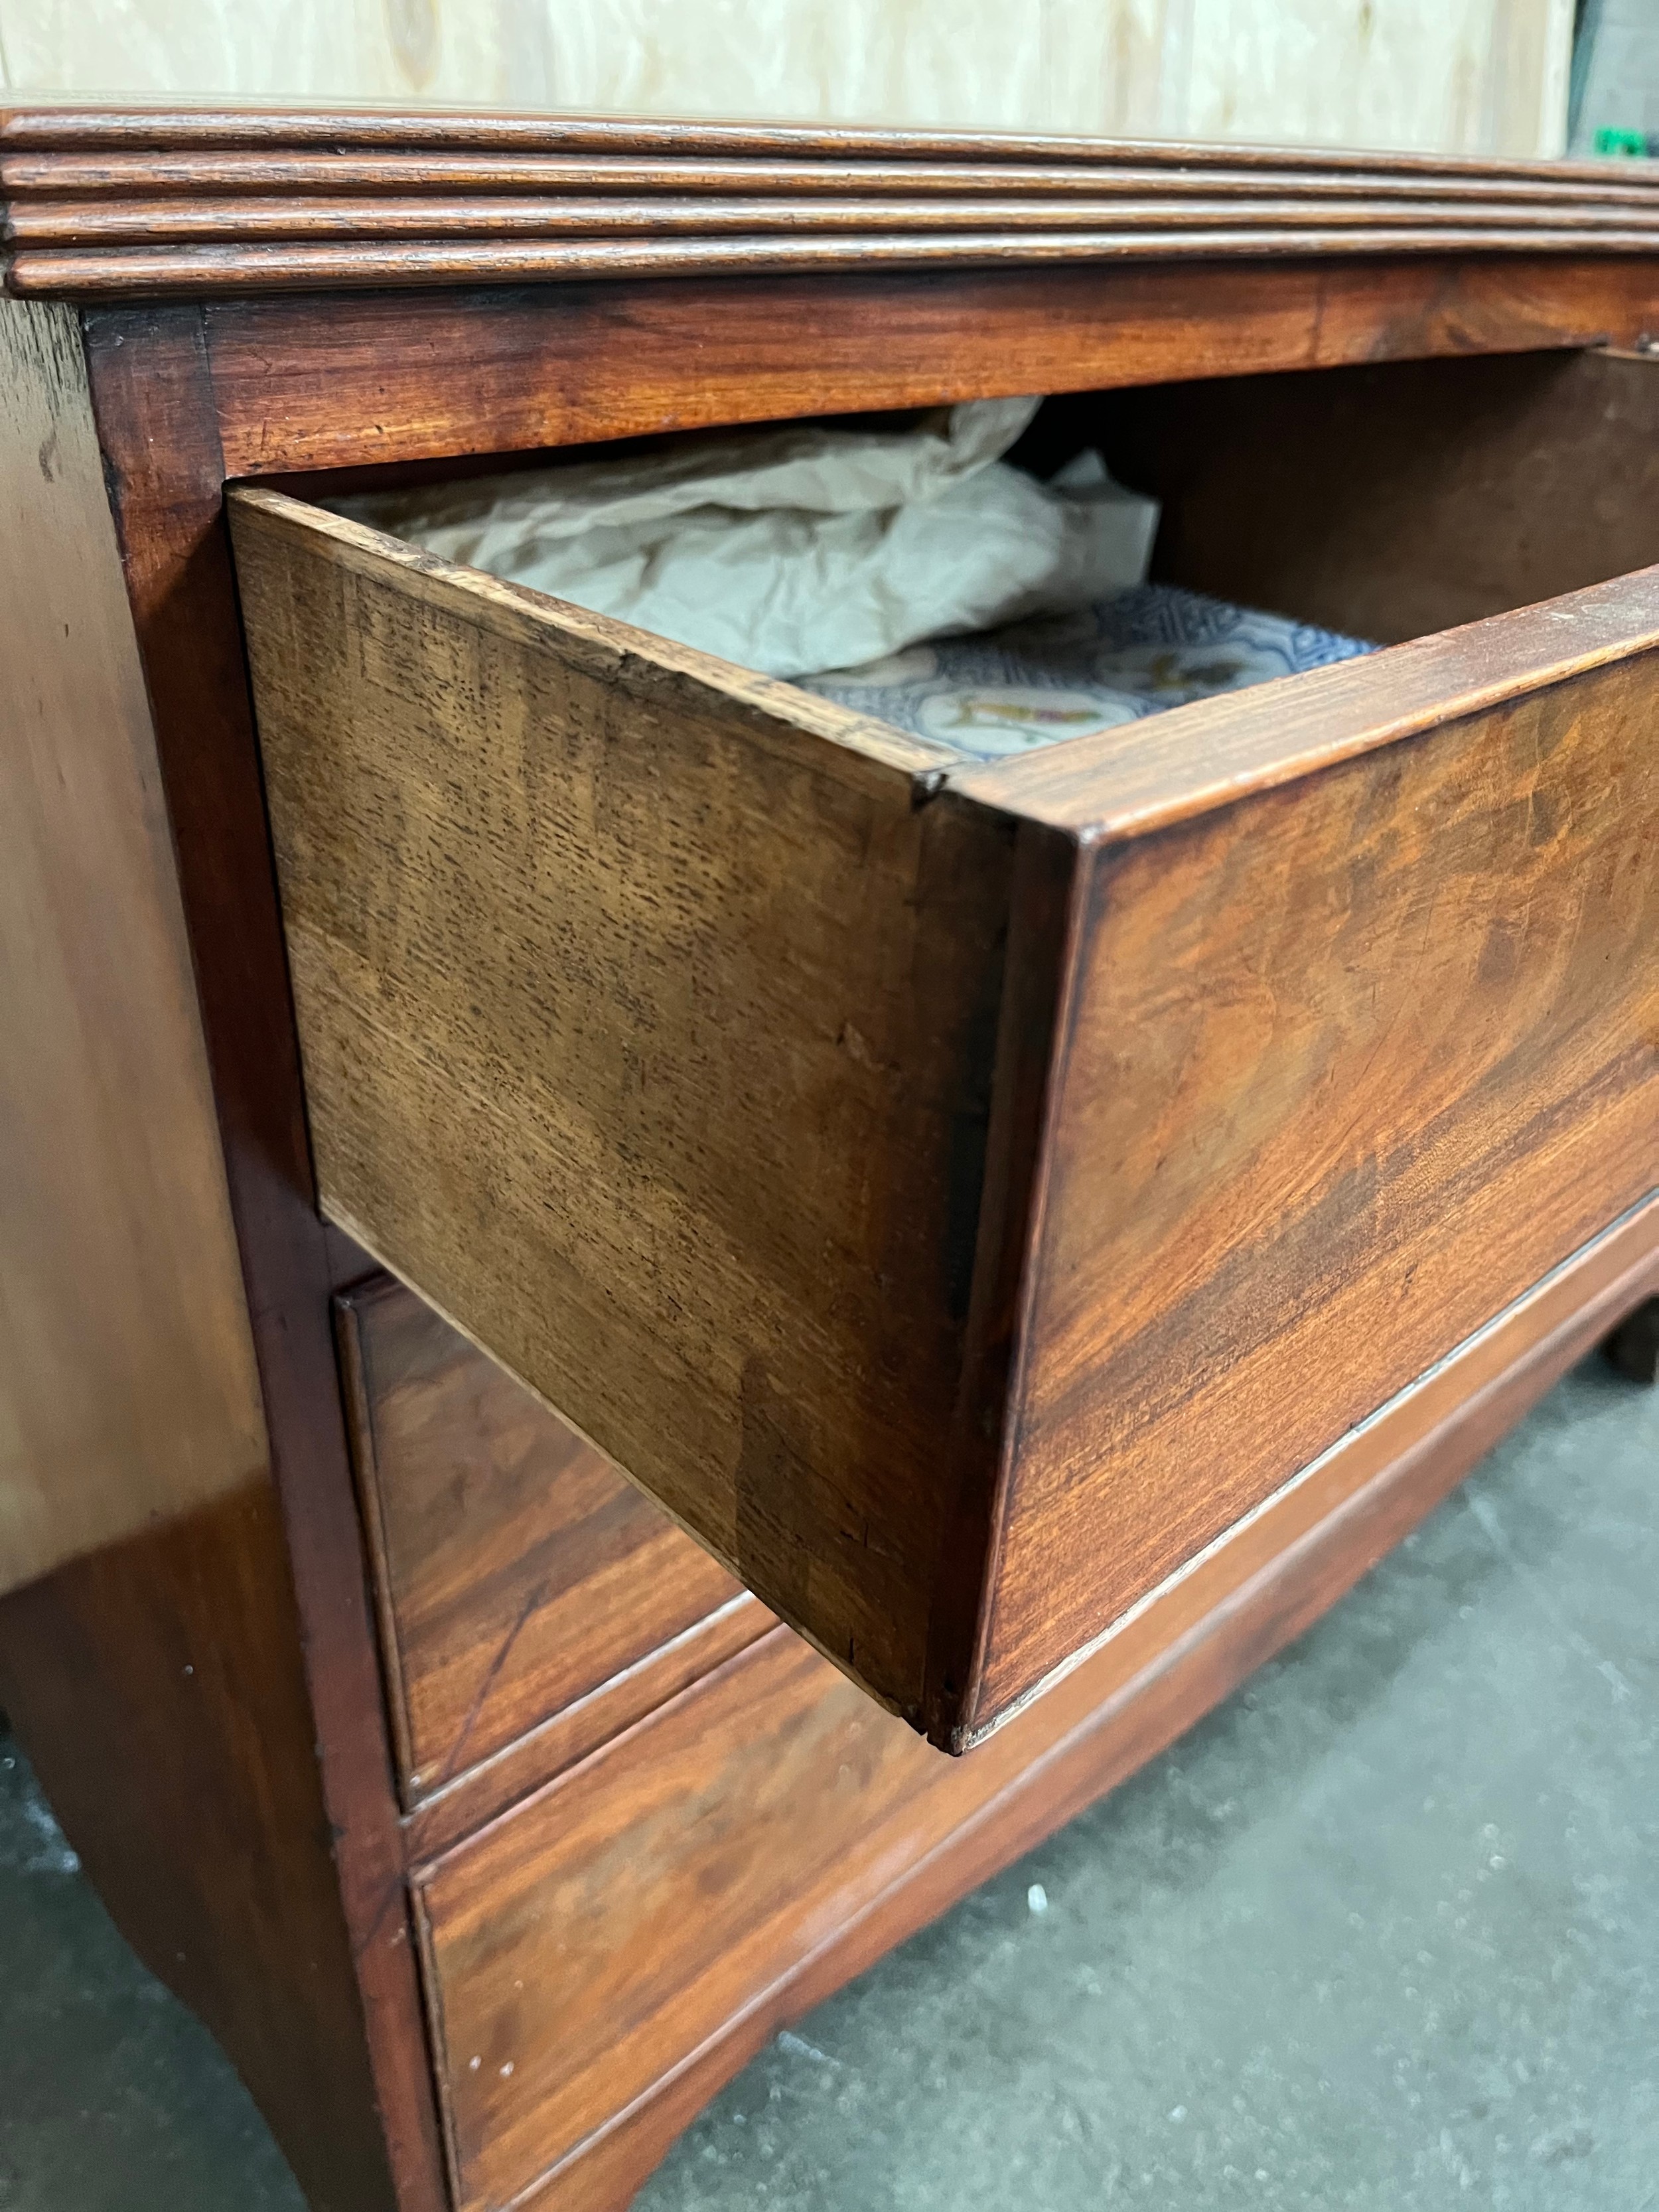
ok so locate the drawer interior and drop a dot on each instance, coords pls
(1399, 499)
(1323, 513)
(909, 1166)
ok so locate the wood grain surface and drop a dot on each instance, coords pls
(116, 177)
(706, 1879)
(156, 1685)
(333, 204)
(715, 1002)
(295, 1898)
(573, 211)
(1391, 500)
(95, 272)
(1348, 1062)
(204, 126)
(290, 1902)
(127, 1386)
(1191, 760)
(150, 1660)
(127, 1379)
(518, 1572)
(164, 469)
(1430, 910)
(365, 380)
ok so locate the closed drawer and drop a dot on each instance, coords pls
(689, 1881)
(962, 1195)
(532, 1601)
(578, 1948)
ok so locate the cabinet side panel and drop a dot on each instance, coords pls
(157, 1686)
(156, 418)
(150, 1650)
(127, 1386)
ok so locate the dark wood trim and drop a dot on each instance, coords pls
(138, 272)
(70, 222)
(1043, 927)
(364, 381)
(1111, 787)
(209, 173)
(160, 126)
(156, 419)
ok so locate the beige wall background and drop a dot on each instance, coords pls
(1465, 75)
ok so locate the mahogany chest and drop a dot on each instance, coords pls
(657, 1328)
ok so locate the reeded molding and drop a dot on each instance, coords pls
(98, 201)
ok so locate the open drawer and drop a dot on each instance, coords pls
(961, 1194)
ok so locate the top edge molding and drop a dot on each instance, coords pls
(105, 201)
(73, 126)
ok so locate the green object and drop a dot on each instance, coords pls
(1624, 142)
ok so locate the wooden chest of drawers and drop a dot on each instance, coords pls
(1040, 1229)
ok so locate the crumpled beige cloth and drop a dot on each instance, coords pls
(802, 549)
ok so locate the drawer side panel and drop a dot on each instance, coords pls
(648, 1024)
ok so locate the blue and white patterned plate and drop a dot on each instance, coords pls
(1009, 690)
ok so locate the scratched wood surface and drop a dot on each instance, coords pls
(1348, 1063)
(518, 1572)
(714, 1003)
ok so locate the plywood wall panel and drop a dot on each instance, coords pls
(1452, 76)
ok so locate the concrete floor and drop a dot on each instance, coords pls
(1382, 1934)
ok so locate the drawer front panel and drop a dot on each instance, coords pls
(583, 1944)
(579, 1949)
(518, 1571)
(1348, 1065)
(702, 1878)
